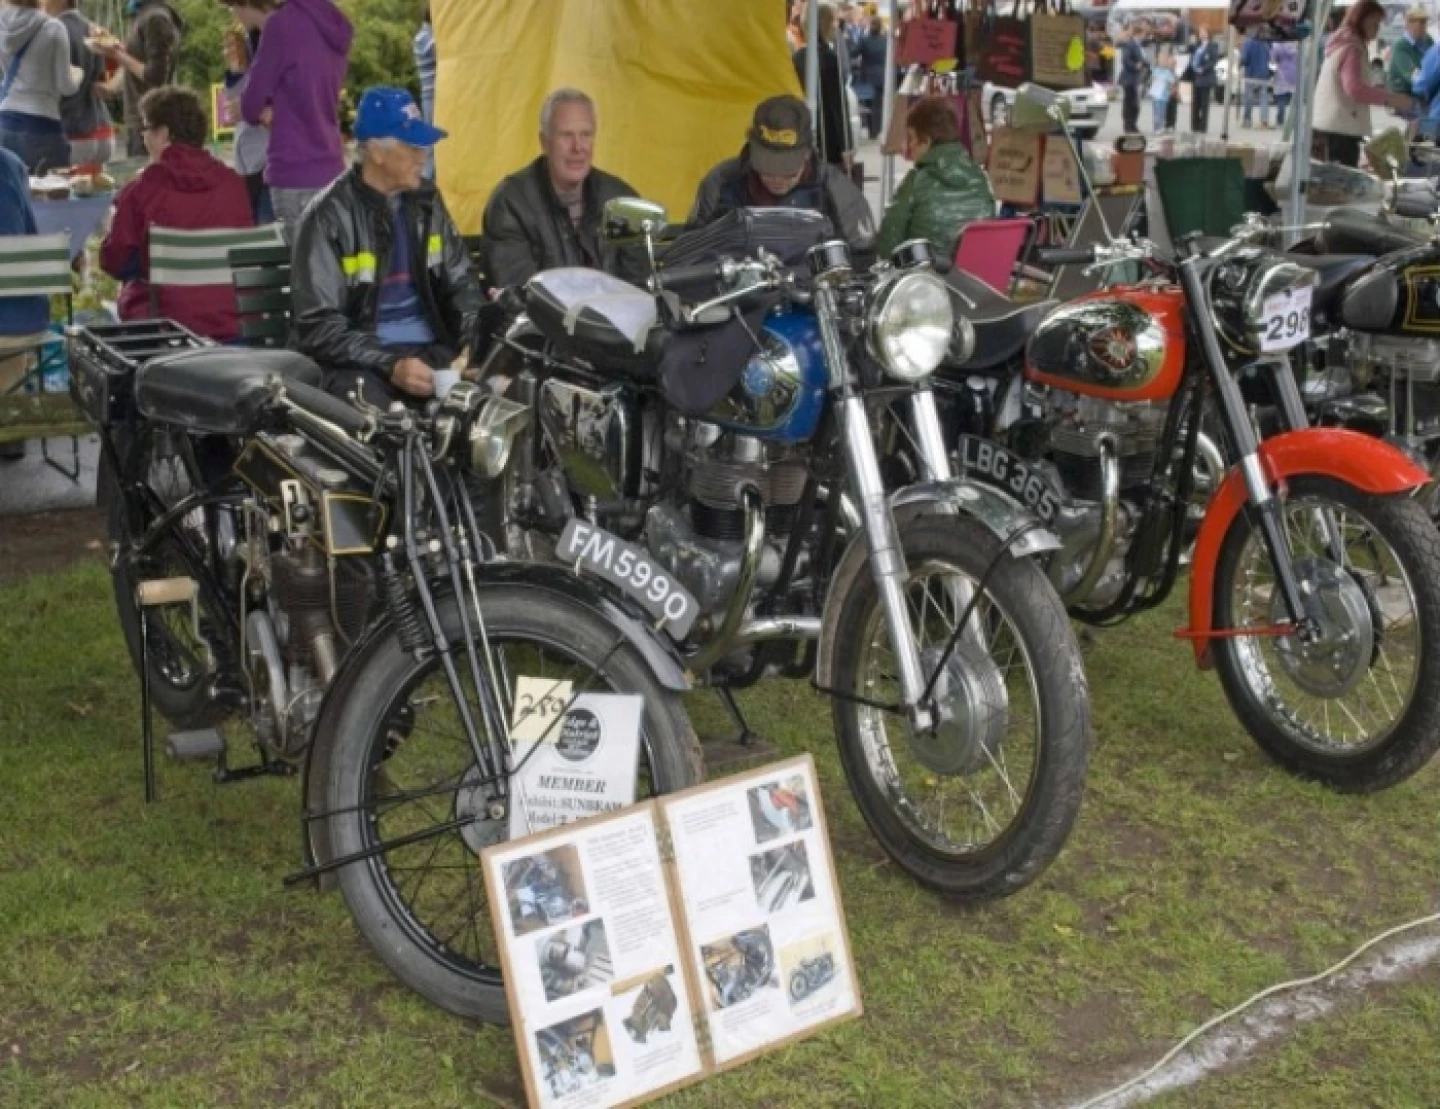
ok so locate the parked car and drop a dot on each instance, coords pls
(1088, 108)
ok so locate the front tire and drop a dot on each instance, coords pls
(1030, 765)
(1359, 720)
(422, 907)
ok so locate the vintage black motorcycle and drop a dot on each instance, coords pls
(318, 571)
(709, 448)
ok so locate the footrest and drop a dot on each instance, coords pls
(205, 745)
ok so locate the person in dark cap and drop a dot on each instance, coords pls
(778, 169)
(381, 287)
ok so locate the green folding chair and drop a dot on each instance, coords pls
(36, 265)
(261, 275)
(195, 259)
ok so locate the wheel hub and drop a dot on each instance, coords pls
(484, 812)
(1336, 661)
(972, 710)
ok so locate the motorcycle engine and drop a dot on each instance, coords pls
(1403, 372)
(1078, 430)
(697, 531)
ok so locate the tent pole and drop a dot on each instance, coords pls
(887, 111)
(812, 65)
(1304, 120)
(1232, 70)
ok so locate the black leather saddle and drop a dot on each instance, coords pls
(1002, 326)
(220, 390)
(1353, 232)
(600, 319)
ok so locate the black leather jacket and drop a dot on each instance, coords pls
(528, 230)
(341, 256)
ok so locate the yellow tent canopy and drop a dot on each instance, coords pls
(674, 84)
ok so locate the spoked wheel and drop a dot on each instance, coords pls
(1360, 707)
(981, 806)
(180, 671)
(401, 772)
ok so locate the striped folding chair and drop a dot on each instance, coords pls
(191, 259)
(36, 265)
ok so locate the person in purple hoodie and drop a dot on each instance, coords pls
(294, 89)
(1286, 56)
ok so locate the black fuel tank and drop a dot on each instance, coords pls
(1400, 296)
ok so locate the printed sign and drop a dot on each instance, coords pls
(224, 114)
(577, 758)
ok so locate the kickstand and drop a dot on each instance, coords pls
(746, 737)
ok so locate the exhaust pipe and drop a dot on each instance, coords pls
(723, 639)
(1109, 519)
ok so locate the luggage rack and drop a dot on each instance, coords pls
(105, 356)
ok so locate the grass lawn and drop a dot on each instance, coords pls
(151, 957)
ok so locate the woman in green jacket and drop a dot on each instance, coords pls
(945, 190)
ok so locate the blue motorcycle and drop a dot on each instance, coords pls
(717, 447)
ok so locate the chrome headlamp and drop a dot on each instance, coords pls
(909, 325)
(478, 428)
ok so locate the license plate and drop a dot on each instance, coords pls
(1285, 319)
(632, 571)
(1016, 476)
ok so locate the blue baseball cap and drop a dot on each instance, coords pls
(389, 113)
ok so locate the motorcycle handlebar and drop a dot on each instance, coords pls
(343, 415)
(1065, 256)
(677, 277)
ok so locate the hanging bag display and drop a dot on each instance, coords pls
(1001, 54)
(931, 35)
(1273, 20)
(1057, 47)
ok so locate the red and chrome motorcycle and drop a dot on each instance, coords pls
(1315, 577)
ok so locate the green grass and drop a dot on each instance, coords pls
(151, 957)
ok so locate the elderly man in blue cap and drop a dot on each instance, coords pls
(381, 289)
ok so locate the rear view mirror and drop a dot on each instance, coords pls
(630, 217)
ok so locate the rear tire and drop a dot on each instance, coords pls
(358, 750)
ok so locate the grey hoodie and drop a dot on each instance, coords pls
(44, 75)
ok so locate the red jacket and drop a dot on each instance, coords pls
(187, 190)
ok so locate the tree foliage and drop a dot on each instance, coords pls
(380, 55)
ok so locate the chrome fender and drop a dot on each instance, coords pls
(1010, 521)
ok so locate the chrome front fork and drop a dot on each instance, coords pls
(887, 558)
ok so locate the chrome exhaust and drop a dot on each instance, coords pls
(1109, 519)
(722, 641)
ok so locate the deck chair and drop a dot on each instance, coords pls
(988, 249)
(37, 265)
(191, 259)
(261, 275)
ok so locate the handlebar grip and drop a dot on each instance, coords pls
(677, 277)
(1065, 256)
(319, 403)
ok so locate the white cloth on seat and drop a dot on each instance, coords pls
(628, 309)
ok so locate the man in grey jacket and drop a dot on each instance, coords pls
(778, 169)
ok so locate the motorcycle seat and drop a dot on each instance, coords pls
(1335, 272)
(1354, 232)
(600, 319)
(220, 390)
(1002, 325)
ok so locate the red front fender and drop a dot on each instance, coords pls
(1368, 464)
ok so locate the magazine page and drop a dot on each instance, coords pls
(592, 963)
(767, 935)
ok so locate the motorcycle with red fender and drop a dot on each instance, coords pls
(1315, 571)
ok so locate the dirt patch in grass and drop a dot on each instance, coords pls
(44, 542)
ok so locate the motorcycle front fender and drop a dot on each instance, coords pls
(1010, 521)
(659, 654)
(1368, 464)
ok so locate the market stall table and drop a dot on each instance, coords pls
(81, 216)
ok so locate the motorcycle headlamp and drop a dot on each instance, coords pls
(479, 428)
(910, 325)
